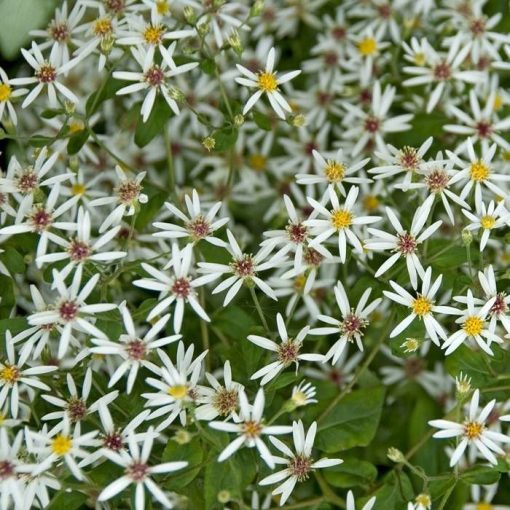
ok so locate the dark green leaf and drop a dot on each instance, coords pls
(192, 452)
(480, 475)
(225, 138)
(146, 131)
(64, 500)
(77, 141)
(351, 473)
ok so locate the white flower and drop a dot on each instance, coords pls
(219, 400)
(404, 243)
(474, 327)
(138, 471)
(487, 218)
(133, 348)
(177, 386)
(422, 306)
(250, 429)
(288, 351)
(6, 95)
(352, 506)
(422, 502)
(303, 394)
(339, 220)
(70, 310)
(178, 288)
(197, 225)
(267, 82)
(352, 324)
(478, 172)
(60, 444)
(472, 432)
(244, 268)
(299, 463)
(153, 78)
(15, 378)
(46, 72)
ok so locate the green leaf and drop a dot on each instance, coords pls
(353, 422)
(471, 363)
(8, 300)
(225, 138)
(104, 93)
(77, 141)
(149, 210)
(351, 473)
(146, 131)
(13, 260)
(208, 66)
(64, 500)
(51, 113)
(262, 121)
(480, 475)
(192, 452)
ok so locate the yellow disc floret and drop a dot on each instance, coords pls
(334, 171)
(473, 325)
(5, 92)
(179, 391)
(473, 429)
(61, 444)
(9, 374)
(479, 171)
(267, 82)
(367, 46)
(421, 306)
(341, 219)
(153, 34)
(487, 221)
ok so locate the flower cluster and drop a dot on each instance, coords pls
(241, 240)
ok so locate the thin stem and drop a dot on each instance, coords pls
(329, 494)
(446, 497)
(204, 330)
(470, 262)
(224, 93)
(170, 163)
(259, 310)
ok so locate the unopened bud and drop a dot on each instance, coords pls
(203, 29)
(177, 94)
(463, 385)
(235, 42)
(467, 237)
(74, 163)
(69, 107)
(182, 437)
(298, 120)
(107, 44)
(395, 455)
(190, 15)
(257, 7)
(239, 120)
(224, 496)
(209, 143)
(411, 345)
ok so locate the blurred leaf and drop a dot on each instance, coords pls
(480, 475)
(351, 473)
(105, 92)
(262, 121)
(225, 138)
(65, 500)
(13, 260)
(192, 452)
(471, 363)
(77, 141)
(146, 131)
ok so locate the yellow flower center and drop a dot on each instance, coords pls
(163, 7)
(78, 189)
(178, 391)
(334, 171)
(420, 59)
(479, 171)
(299, 398)
(367, 46)
(103, 27)
(498, 102)
(411, 344)
(5, 92)
(76, 126)
(423, 499)
(472, 429)
(341, 219)
(487, 222)
(61, 444)
(267, 82)
(153, 34)
(370, 202)
(258, 162)
(473, 325)
(421, 306)
(484, 506)
(252, 429)
(9, 374)
(299, 283)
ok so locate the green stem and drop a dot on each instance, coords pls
(329, 494)
(259, 310)
(446, 497)
(170, 163)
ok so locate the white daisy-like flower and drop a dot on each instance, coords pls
(334, 170)
(198, 225)
(304, 394)
(351, 504)
(404, 243)
(16, 378)
(80, 248)
(352, 324)
(266, 82)
(299, 463)
(478, 172)
(134, 349)
(7, 94)
(339, 220)
(288, 351)
(176, 387)
(473, 326)
(244, 269)
(128, 195)
(250, 428)
(220, 399)
(422, 306)
(178, 287)
(472, 433)
(46, 72)
(487, 217)
(70, 309)
(368, 47)
(138, 471)
(422, 502)
(153, 78)
(60, 444)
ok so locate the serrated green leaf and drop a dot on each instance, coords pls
(193, 453)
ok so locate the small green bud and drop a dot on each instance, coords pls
(257, 7)
(209, 143)
(298, 120)
(190, 15)
(395, 455)
(467, 237)
(239, 120)
(224, 496)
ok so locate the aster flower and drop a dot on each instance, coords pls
(472, 433)
(422, 306)
(153, 78)
(70, 309)
(132, 348)
(16, 378)
(421, 502)
(352, 325)
(473, 326)
(178, 287)
(7, 94)
(340, 220)
(250, 428)
(46, 72)
(197, 225)
(299, 463)
(267, 82)
(288, 351)
(404, 243)
(351, 505)
(138, 471)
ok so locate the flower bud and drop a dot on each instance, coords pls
(257, 7)
(463, 386)
(182, 437)
(467, 237)
(203, 29)
(190, 15)
(395, 455)
(177, 94)
(423, 500)
(107, 44)
(235, 42)
(224, 496)
(298, 120)
(411, 345)
(209, 143)
(239, 120)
